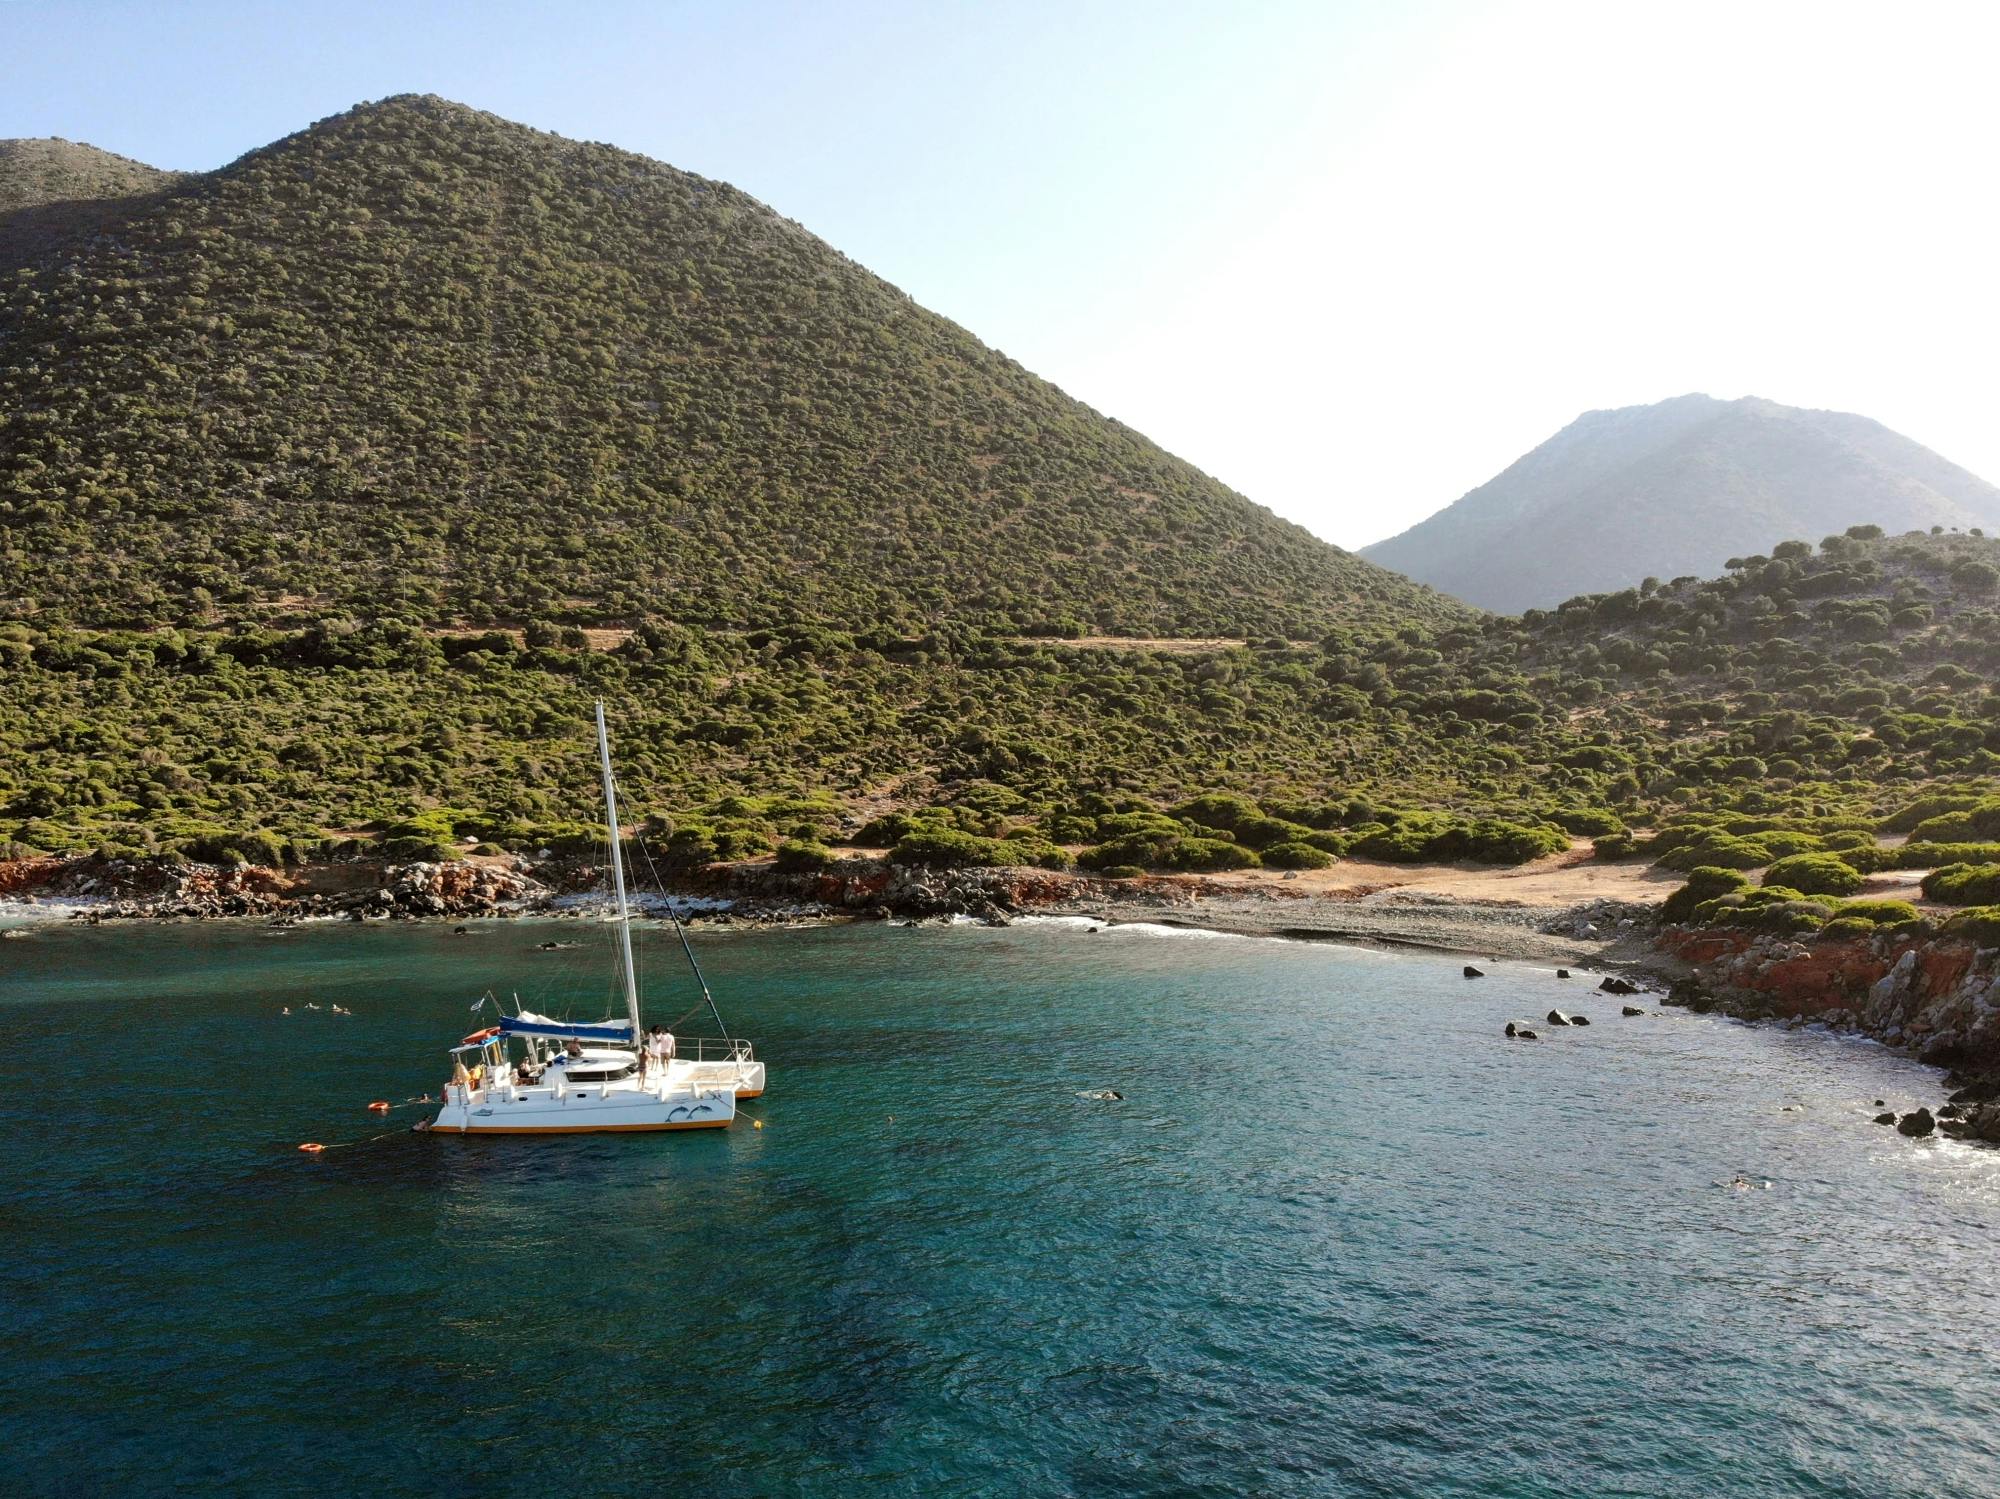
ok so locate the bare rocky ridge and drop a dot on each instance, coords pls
(1677, 489)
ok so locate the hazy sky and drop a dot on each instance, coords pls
(1353, 258)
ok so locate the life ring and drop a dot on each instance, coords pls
(312, 1147)
(378, 1107)
(491, 1030)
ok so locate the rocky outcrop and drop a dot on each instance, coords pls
(1937, 999)
(875, 886)
(453, 889)
(127, 889)
(1916, 1124)
(1600, 919)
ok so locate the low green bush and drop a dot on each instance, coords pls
(431, 850)
(944, 848)
(1980, 924)
(1219, 809)
(1142, 850)
(1772, 908)
(1964, 885)
(1923, 856)
(1296, 855)
(802, 856)
(1704, 884)
(1417, 837)
(1976, 822)
(1588, 822)
(1719, 852)
(1877, 912)
(1209, 856)
(1265, 832)
(1814, 874)
(1925, 808)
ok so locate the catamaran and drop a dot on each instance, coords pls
(571, 1077)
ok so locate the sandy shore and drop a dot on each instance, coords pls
(1532, 912)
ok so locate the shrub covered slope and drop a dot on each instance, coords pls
(316, 471)
(419, 361)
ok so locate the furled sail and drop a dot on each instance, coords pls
(528, 1023)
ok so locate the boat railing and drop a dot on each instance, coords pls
(711, 1049)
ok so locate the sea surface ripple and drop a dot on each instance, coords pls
(1337, 1237)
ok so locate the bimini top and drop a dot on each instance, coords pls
(527, 1023)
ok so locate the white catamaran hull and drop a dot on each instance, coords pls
(543, 1111)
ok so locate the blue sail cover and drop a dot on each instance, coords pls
(617, 1032)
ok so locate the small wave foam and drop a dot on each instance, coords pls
(1132, 928)
(643, 903)
(43, 909)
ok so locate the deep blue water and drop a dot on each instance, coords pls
(1340, 1237)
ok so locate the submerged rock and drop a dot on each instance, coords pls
(1474, 973)
(1562, 973)
(1888, 1116)
(1579, 1020)
(1510, 1028)
(1619, 986)
(1524, 1034)
(1917, 1124)
(1556, 1017)
(1632, 1010)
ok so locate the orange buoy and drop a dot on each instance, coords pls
(378, 1107)
(312, 1147)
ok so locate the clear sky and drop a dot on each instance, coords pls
(1351, 257)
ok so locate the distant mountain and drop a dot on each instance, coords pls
(1677, 489)
(417, 360)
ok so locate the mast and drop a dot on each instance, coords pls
(618, 875)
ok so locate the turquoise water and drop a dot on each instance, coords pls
(1339, 1238)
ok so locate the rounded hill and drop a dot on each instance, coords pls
(418, 360)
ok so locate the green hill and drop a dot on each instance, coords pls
(419, 361)
(1676, 489)
(335, 484)
(55, 193)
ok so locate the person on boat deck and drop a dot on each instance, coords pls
(660, 1045)
(572, 1050)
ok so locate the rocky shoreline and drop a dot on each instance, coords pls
(1936, 999)
(857, 889)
